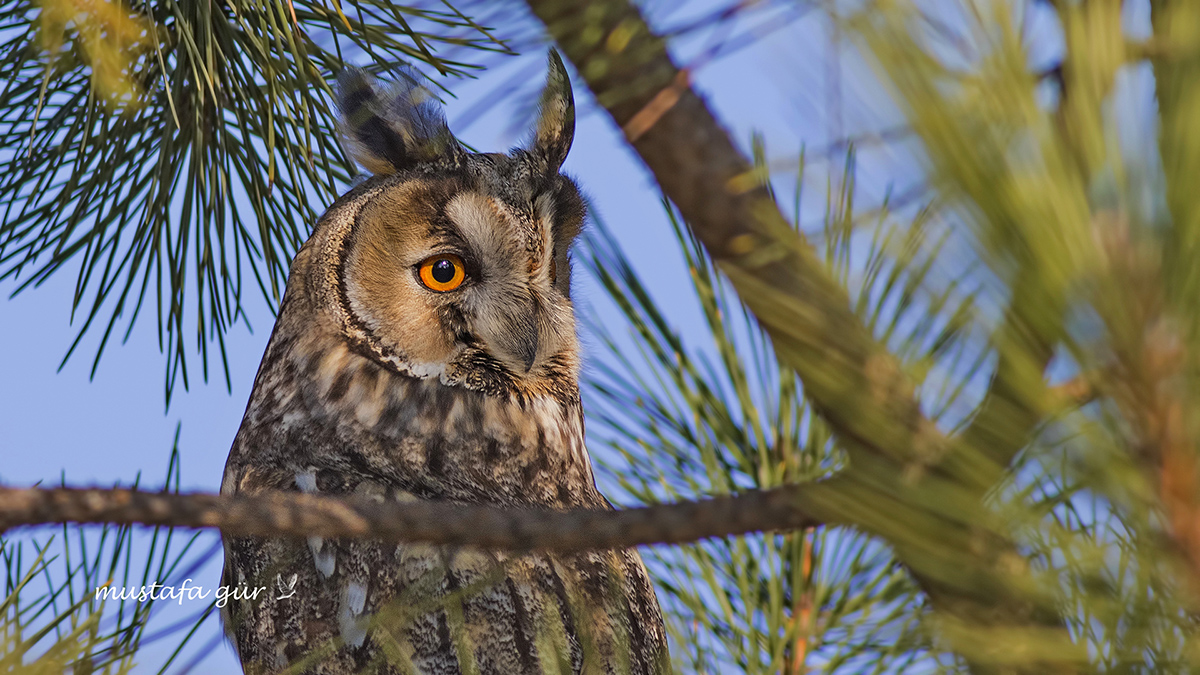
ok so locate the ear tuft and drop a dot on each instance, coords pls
(556, 118)
(388, 127)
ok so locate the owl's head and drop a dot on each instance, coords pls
(447, 263)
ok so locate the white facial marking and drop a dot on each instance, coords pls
(545, 213)
(427, 370)
(476, 216)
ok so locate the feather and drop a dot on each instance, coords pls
(392, 126)
(555, 127)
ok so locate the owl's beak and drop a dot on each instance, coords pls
(519, 336)
(527, 333)
(529, 351)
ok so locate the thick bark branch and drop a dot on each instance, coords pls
(847, 374)
(286, 514)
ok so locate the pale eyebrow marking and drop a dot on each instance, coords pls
(544, 213)
(483, 223)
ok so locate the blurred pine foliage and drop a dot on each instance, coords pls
(681, 424)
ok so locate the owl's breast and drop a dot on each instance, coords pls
(337, 413)
(351, 606)
(337, 424)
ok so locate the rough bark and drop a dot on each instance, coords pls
(286, 514)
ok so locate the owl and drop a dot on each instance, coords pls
(426, 349)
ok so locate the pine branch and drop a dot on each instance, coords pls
(846, 372)
(285, 514)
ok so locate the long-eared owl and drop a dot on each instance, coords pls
(426, 349)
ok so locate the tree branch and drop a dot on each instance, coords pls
(287, 514)
(852, 379)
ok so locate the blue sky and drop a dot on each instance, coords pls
(108, 429)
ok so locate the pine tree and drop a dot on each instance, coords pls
(977, 398)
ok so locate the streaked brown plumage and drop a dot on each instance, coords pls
(385, 377)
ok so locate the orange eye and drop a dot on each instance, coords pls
(442, 273)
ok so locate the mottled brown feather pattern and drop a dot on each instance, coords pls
(373, 384)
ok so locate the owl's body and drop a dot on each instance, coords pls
(425, 349)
